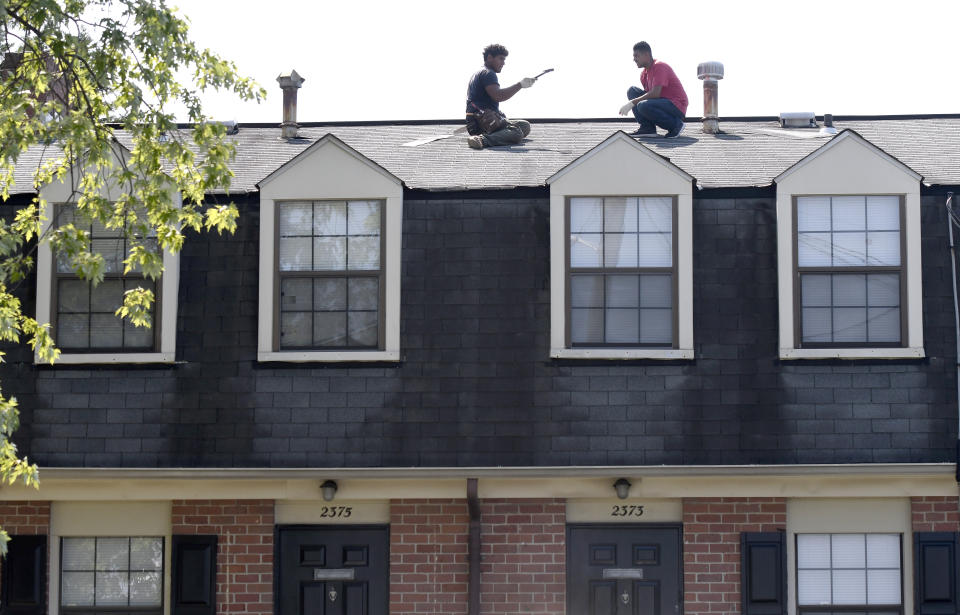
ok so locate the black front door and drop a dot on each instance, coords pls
(624, 570)
(332, 570)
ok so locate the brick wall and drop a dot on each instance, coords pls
(244, 549)
(428, 556)
(935, 513)
(711, 548)
(25, 518)
(524, 556)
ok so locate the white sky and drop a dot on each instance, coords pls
(401, 60)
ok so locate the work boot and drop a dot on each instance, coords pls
(476, 142)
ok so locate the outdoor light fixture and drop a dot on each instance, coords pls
(329, 488)
(623, 488)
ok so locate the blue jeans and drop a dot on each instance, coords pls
(515, 131)
(654, 112)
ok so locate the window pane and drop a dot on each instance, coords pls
(848, 551)
(330, 328)
(656, 214)
(813, 586)
(623, 326)
(849, 213)
(883, 551)
(883, 248)
(72, 331)
(362, 328)
(106, 296)
(849, 586)
(883, 213)
(815, 290)
(586, 250)
(112, 588)
(656, 291)
(623, 291)
(586, 291)
(137, 337)
(113, 554)
(813, 250)
(295, 329)
(620, 250)
(329, 253)
(883, 586)
(295, 294)
(106, 331)
(295, 254)
(330, 218)
(883, 289)
(364, 294)
(76, 588)
(813, 550)
(849, 249)
(78, 553)
(849, 324)
(363, 218)
(884, 325)
(620, 215)
(145, 588)
(364, 253)
(330, 294)
(849, 290)
(656, 326)
(295, 219)
(813, 213)
(655, 249)
(586, 326)
(817, 325)
(586, 215)
(73, 296)
(146, 553)
(113, 253)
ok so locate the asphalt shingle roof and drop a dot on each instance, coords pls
(746, 153)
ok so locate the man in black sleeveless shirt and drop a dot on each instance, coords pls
(484, 92)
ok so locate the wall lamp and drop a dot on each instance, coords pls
(329, 488)
(623, 488)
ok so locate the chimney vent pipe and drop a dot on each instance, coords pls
(289, 83)
(710, 73)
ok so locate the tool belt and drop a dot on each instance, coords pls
(487, 120)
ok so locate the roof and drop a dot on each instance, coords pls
(749, 152)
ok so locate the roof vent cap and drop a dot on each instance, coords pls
(798, 119)
(710, 70)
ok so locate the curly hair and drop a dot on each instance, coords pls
(494, 50)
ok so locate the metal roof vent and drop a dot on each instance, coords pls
(710, 73)
(798, 119)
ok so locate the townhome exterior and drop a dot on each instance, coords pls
(584, 374)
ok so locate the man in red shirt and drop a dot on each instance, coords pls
(661, 102)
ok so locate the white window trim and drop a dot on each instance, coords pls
(169, 286)
(625, 182)
(343, 187)
(854, 180)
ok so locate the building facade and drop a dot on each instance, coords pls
(584, 374)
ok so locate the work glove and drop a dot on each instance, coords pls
(527, 82)
(626, 108)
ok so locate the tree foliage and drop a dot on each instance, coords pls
(89, 90)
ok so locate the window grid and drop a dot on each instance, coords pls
(839, 271)
(867, 607)
(316, 275)
(605, 272)
(94, 608)
(131, 338)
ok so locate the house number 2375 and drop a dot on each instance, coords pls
(626, 510)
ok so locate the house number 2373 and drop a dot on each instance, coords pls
(626, 510)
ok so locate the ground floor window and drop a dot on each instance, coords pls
(849, 573)
(111, 574)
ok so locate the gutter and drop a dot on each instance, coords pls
(951, 220)
(473, 549)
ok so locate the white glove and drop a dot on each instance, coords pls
(626, 108)
(527, 82)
